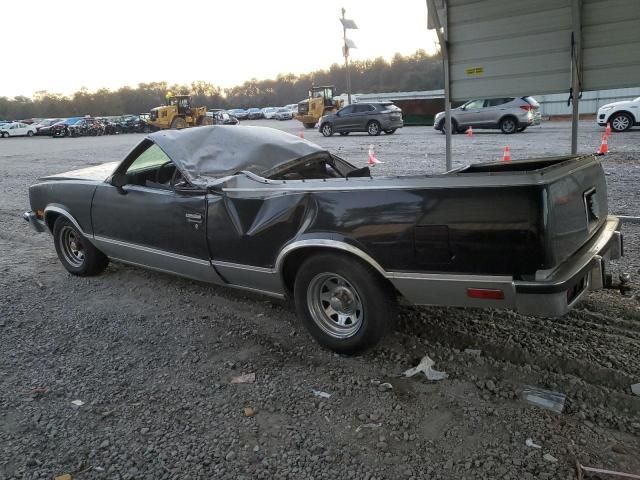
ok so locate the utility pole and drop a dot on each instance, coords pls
(347, 23)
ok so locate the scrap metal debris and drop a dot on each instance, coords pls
(581, 470)
(531, 443)
(244, 378)
(547, 399)
(425, 366)
(321, 394)
(635, 388)
(77, 403)
(368, 425)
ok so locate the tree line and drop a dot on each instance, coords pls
(419, 71)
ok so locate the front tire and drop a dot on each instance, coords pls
(326, 129)
(620, 122)
(76, 253)
(29, 133)
(343, 303)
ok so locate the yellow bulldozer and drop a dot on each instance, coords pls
(178, 113)
(319, 103)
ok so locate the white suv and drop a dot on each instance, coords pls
(621, 115)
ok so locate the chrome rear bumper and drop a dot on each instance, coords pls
(553, 294)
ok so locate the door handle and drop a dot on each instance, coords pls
(193, 217)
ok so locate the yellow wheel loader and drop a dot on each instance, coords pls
(319, 103)
(178, 113)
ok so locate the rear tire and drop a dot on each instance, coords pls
(620, 122)
(344, 304)
(77, 254)
(326, 129)
(508, 125)
(373, 128)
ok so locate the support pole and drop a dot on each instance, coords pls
(444, 50)
(345, 50)
(576, 71)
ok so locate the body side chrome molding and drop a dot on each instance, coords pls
(326, 243)
(155, 251)
(65, 213)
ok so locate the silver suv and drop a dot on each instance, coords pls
(508, 114)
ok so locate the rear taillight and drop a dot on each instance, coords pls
(528, 108)
(485, 294)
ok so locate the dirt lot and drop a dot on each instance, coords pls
(152, 356)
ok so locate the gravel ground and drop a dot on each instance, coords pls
(152, 356)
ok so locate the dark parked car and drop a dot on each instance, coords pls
(263, 210)
(44, 127)
(61, 129)
(372, 118)
(254, 114)
(239, 113)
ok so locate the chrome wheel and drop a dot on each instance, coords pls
(373, 128)
(335, 305)
(620, 123)
(71, 246)
(327, 130)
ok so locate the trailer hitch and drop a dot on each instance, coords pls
(623, 284)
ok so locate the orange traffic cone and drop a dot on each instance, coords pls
(372, 157)
(301, 134)
(470, 132)
(604, 148)
(506, 155)
(607, 130)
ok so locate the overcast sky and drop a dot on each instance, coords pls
(61, 46)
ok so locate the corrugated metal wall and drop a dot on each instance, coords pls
(556, 104)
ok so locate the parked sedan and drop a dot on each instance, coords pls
(283, 114)
(509, 114)
(61, 129)
(269, 112)
(372, 118)
(620, 115)
(254, 114)
(17, 129)
(262, 210)
(44, 127)
(239, 113)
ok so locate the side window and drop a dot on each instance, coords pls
(363, 108)
(474, 104)
(347, 110)
(494, 102)
(151, 157)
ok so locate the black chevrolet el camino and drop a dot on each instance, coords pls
(262, 210)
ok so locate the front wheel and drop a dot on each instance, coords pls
(326, 129)
(29, 133)
(76, 253)
(373, 128)
(5, 134)
(343, 303)
(178, 123)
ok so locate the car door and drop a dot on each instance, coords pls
(470, 113)
(362, 115)
(494, 110)
(344, 118)
(151, 223)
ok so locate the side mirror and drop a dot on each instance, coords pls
(119, 180)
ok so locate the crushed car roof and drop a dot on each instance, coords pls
(205, 154)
